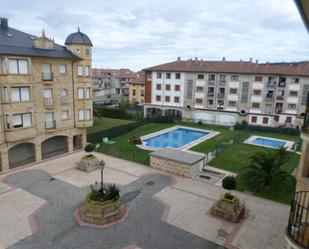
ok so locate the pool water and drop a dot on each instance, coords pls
(175, 138)
(269, 142)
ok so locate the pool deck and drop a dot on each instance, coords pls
(288, 144)
(187, 146)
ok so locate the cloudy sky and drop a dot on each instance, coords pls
(141, 33)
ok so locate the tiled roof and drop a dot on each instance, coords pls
(244, 67)
(118, 73)
(139, 80)
(15, 42)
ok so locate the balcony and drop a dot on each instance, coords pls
(47, 76)
(298, 226)
(278, 110)
(221, 95)
(280, 97)
(269, 98)
(282, 84)
(271, 84)
(64, 100)
(211, 82)
(50, 125)
(48, 102)
(222, 83)
(84, 123)
(16, 134)
(211, 95)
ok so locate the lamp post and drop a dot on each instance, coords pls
(102, 165)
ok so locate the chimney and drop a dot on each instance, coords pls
(4, 23)
(223, 58)
(256, 61)
(178, 58)
(250, 59)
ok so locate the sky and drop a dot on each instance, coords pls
(137, 34)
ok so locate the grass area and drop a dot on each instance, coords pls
(233, 157)
(106, 123)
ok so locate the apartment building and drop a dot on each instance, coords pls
(227, 92)
(111, 86)
(46, 93)
(137, 89)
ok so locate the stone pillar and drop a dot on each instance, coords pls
(5, 161)
(145, 112)
(38, 152)
(70, 143)
(84, 138)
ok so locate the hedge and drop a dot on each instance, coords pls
(122, 129)
(288, 131)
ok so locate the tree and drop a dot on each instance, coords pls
(265, 170)
(89, 148)
(229, 183)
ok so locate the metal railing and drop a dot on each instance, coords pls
(64, 100)
(48, 101)
(298, 227)
(50, 124)
(211, 82)
(210, 94)
(271, 84)
(221, 95)
(47, 76)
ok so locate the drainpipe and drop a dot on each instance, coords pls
(72, 69)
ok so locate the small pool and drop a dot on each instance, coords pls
(269, 142)
(175, 138)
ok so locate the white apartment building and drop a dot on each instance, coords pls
(227, 92)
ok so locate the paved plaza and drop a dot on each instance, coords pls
(38, 202)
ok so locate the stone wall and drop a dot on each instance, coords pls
(174, 167)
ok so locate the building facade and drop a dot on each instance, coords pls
(46, 90)
(227, 92)
(111, 86)
(137, 89)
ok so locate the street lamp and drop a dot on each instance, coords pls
(102, 165)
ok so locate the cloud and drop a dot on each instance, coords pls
(143, 33)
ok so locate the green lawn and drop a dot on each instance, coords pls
(233, 158)
(106, 123)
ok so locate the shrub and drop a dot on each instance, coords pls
(135, 140)
(113, 192)
(89, 148)
(229, 183)
(200, 123)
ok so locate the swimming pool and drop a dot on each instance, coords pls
(269, 142)
(175, 137)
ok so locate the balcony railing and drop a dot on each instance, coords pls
(48, 102)
(221, 83)
(211, 82)
(221, 95)
(271, 84)
(47, 76)
(278, 110)
(269, 98)
(210, 94)
(298, 227)
(280, 97)
(50, 124)
(282, 84)
(64, 100)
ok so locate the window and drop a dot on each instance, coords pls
(265, 120)
(234, 78)
(78, 50)
(257, 92)
(20, 94)
(87, 93)
(159, 75)
(168, 87)
(293, 93)
(232, 103)
(5, 96)
(84, 114)
(222, 78)
(168, 75)
(17, 66)
(176, 99)
(200, 89)
(80, 93)
(253, 119)
(255, 105)
(87, 71)
(177, 76)
(158, 86)
(295, 80)
(199, 101)
(63, 69)
(21, 120)
(88, 51)
(80, 71)
(233, 90)
(64, 92)
(65, 115)
(291, 106)
(258, 78)
(288, 120)
(134, 92)
(211, 77)
(158, 98)
(276, 118)
(282, 81)
(142, 93)
(177, 88)
(200, 76)
(167, 98)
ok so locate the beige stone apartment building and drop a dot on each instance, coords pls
(227, 92)
(46, 95)
(137, 89)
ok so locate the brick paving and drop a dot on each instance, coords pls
(172, 213)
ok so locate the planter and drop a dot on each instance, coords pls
(88, 164)
(229, 209)
(101, 215)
